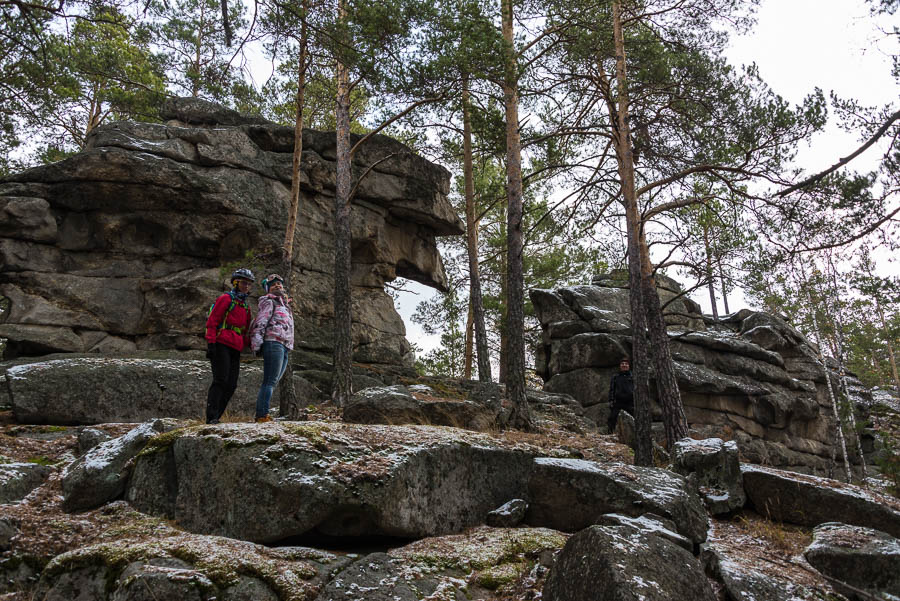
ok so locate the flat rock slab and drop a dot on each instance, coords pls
(269, 482)
(571, 494)
(185, 567)
(864, 558)
(86, 390)
(625, 564)
(810, 500)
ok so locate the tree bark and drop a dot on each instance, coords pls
(724, 290)
(520, 417)
(287, 396)
(476, 304)
(643, 453)
(343, 344)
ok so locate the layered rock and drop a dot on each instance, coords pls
(122, 246)
(750, 377)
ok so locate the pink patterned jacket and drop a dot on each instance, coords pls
(280, 325)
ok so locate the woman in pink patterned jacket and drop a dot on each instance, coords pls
(273, 332)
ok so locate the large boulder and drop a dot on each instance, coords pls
(742, 581)
(122, 246)
(270, 482)
(718, 470)
(862, 558)
(810, 500)
(99, 476)
(626, 564)
(571, 494)
(93, 390)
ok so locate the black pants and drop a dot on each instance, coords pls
(614, 410)
(226, 364)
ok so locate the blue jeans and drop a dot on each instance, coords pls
(275, 361)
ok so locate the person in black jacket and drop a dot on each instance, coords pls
(621, 393)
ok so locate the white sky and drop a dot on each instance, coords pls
(798, 45)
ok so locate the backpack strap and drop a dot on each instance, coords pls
(224, 325)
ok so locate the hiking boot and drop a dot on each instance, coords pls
(264, 419)
(212, 422)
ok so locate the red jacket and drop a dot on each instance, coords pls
(236, 332)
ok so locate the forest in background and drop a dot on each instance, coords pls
(582, 137)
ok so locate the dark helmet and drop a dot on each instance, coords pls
(271, 279)
(242, 274)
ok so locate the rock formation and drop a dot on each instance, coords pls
(122, 246)
(750, 377)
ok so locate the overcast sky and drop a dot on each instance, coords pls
(798, 45)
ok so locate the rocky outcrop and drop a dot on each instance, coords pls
(122, 246)
(865, 559)
(749, 377)
(398, 405)
(810, 500)
(603, 562)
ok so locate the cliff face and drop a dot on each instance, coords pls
(750, 377)
(121, 247)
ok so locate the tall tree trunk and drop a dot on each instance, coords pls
(643, 453)
(343, 344)
(287, 396)
(504, 305)
(476, 303)
(666, 381)
(470, 336)
(515, 314)
(710, 283)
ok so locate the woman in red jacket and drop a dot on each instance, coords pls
(227, 332)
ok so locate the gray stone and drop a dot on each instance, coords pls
(626, 564)
(94, 389)
(99, 476)
(571, 494)
(335, 479)
(88, 438)
(183, 566)
(589, 386)
(718, 470)
(9, 528)
(810, 500)
(743, 582)
(396, 405)
(19, 479)
(649, 524)
(625, 429)
(863, 558)
(508, 515)
(585, 350)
